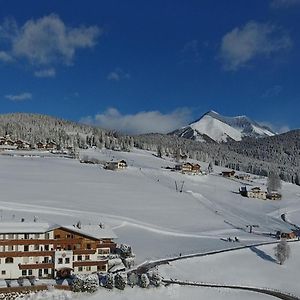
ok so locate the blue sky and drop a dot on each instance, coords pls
(143, 66)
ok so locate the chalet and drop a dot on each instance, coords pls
(9, 142)
(116, 165)
(47, 250)
(187, 167)
(22, 144)
(274, 195)
(243, 176)
(286, 235)
(40, 145)
(256, 192)
(51, 145)
(196, 168)
(228, 174)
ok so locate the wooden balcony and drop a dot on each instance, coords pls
(36, 266)
(88, 263)
(84, 251)
(26, 253)
(40, 242)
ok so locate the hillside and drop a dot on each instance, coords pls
(257, 156)
(143, 208)
(35, 128)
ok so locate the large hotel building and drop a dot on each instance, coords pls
(47, 251)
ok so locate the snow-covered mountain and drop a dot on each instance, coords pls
(215, 127)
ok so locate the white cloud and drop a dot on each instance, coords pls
(284, 3)
(117, 75)
(5, 57)
(47, 40)
(242, 45)
(45, 73)
(141, 122)
(19, 97)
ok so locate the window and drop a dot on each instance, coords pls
(26, 236)
(67, 260)
(26, 248)
(10, 236)
(36, 247)
(79, 257)
(88, 268)
(9, 260)
(29, 272)
(46, 271)
(10, 248)
(47, 235)
(103, 251)
(60, 261)
(57, 236)
(3, 272)
(68, 236)
(46, 247)
(24, 272)
(46, 260)
(88, 246)
(87, 257)
(79, 269)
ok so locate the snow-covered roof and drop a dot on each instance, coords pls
(94, 231)
(26, 227)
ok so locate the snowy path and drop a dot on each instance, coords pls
(274, 293)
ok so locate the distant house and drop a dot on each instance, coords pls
(51, 146)
(228, 174)
(116, 165)
(286, 235)
(256, 192)
(274, 195)
(9, 142)
(243, 176)
(196, 168)
(22, 144)
(187, 167)
(40, 145)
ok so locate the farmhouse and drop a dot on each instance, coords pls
(40, 145)
(243, 176)
(116, 165)
(274, 195)
(188, 168)
(228, 174)
(256, 192)
(51, 145)
(47, 250)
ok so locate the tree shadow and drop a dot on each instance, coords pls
(262, 254)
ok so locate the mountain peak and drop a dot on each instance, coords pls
(213, 126)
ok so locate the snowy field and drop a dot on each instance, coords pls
(145, 211)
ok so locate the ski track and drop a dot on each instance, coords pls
(76, 213)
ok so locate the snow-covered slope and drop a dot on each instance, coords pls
(143, 208)
(213, 126)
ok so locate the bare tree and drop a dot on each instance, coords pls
(282, 251)
(274, 183)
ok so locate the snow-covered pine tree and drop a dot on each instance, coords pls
(282, 251)
(119, 282)
(144, 281)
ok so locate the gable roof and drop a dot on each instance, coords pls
(93, 231)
